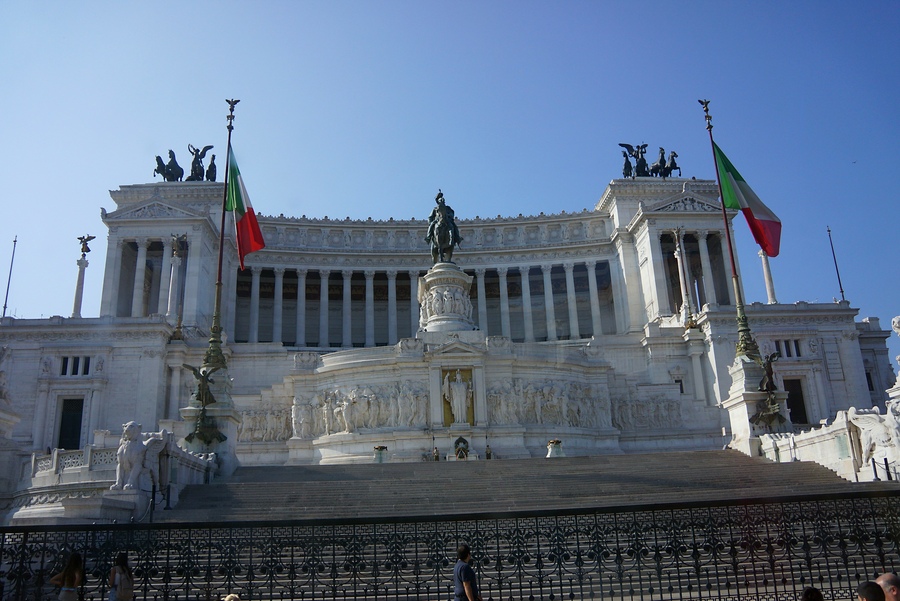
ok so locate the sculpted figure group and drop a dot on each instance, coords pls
(661, 168)
(561, 403)
(349, 409)
(173, 172)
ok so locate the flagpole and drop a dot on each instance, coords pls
(214, 356)
(9, 279)
(833, 256)
(746, 345)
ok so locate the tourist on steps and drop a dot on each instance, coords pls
(465, 586)
(70, 578)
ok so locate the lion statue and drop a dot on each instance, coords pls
(137, 456)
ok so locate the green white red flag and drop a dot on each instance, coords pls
(737, 195)
(246, 229)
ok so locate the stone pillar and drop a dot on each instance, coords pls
(574, 333)
(278, 305)
(414, 301)
(256, 272)
(174, 392)
(743, 403)
(392, 307)
(549, 310)
(323, 308)
(174, 285)
(504, 302)
(658, 268)
(165, 278)
(229, 296)
(109, 302)
(79, 286)
(526, 304)
(709, 285)
(767, 274)
(346, 333)
(40, 416)
(685, 294)
(301, 308)
(482, 302)
(140, 270)
(370, 308)
(694, 339)
(595, 300)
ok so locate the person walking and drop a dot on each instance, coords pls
(465, 585)
(121, 579)
(70, 578)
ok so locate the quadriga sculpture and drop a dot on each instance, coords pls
(136, 455)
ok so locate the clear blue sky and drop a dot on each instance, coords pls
(365, 108)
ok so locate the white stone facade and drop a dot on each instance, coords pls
(577, 332)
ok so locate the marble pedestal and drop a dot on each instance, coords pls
(741, 404)
(445, 305)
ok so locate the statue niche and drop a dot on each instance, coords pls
(457, 396)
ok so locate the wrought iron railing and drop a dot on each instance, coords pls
(762, 551)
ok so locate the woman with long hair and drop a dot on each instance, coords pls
(121, 580)
(70, 578)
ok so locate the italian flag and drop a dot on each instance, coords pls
(737, 195)
(246, 229)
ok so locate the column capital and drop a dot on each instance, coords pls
(301, 273)
(414, 274)
(392, 274)
(142, 242)
(702, 234)
(569, 267)
(501, 271)
(324, 273)
(523, 269)
(546, 268)
(480, 271)
(591, 263)
(347, 273)
(370, 274)
(279, 271)
(256, 270)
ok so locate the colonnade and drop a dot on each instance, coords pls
(352, 308)
(699, 276)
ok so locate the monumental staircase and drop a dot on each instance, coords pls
(506, 487)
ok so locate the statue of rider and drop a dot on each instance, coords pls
(434, 218)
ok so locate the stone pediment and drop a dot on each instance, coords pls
(457, 348)
(153, 209)
(685, 203)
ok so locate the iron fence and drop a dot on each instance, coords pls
(761, 551)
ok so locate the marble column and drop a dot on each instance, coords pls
(301, 308)
(323, 308)
(526, 304)
(174, 403)
(174, 285)
(482, 301)
(109, 302)
(392, 307)
(256, 272)
(165, 277)
(370, 308)
(685, 303)
(79, 286)
(574, 333)
(709, 285)
(140, 271)
(767, 274)
(278, 305)
(596, 325)
(504, 302)
(687, 287)
(549, 310)
(414, 301)
(658, 269)
(346, 315)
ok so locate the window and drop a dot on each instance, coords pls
(788, 348)
(75, 366)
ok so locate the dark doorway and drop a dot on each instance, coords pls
(795, 402)
(70, 424)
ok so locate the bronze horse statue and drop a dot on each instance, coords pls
(671, 166)
(443, 239)
(171, 172)
(656, 169)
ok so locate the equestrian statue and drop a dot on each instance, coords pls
(442, 231)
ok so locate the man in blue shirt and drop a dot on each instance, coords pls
(465, 587)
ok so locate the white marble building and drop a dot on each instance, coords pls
(577, 333)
